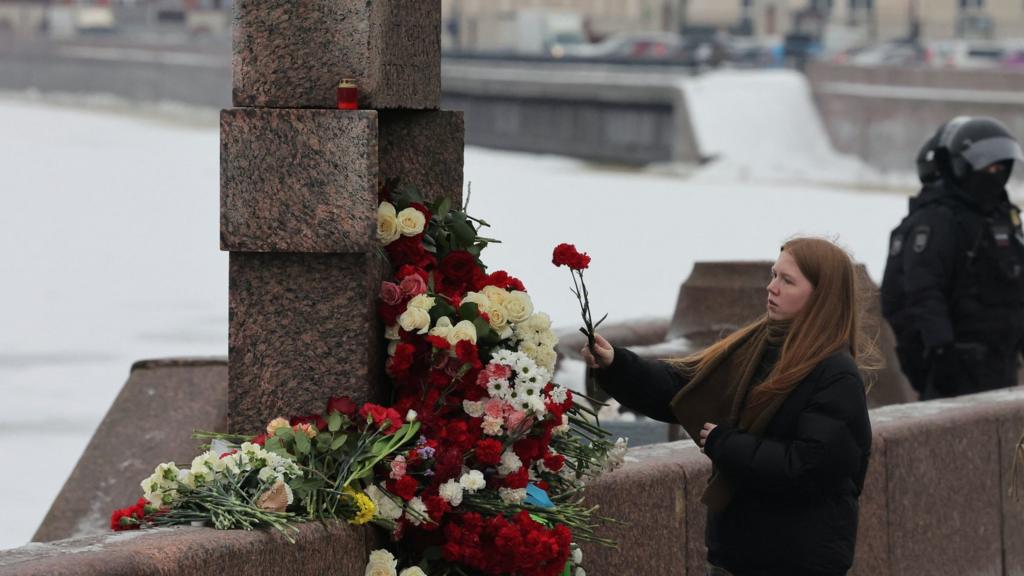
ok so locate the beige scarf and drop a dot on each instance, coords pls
(719, 392)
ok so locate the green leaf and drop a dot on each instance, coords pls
(339, 442)
(443, 207)
(469, 311)
(323, 441)
(483, 329)
(464, 233)
(334, 421)
(285, 434)
(302, 444)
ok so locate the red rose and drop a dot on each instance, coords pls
(405, 487)
(488, 452)
(408, 270)
(427, 215)
(260, 440)
(343, 405)
(459, 271)
(566, 255)
(516, 284)
(408, 250)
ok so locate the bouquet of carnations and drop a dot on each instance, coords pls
(306, 467)
(494, 483)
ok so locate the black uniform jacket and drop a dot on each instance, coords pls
(797, 487)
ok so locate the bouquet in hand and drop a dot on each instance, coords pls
(567, 255)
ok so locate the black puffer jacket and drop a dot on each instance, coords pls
(795, 506)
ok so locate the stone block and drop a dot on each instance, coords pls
(943, 489)
(648, 494)
(333, 547)
(424, 149)
(169, 399)
(302, 328)
(298, 180)
(1010, 430)
(289, 54)
(871, 557)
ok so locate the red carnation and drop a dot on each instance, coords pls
(401, 362)
(387, 419)
(488, 452)
(438, 342)
(467, 353)
(567, 255)
(405, 487)
(518, 479)
(554, 462)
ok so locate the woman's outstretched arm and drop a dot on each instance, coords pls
(644, 386)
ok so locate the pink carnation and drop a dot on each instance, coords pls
(398, 467)
(498, 372)
(515, 419)
(495, 408)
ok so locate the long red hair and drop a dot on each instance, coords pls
(829, 321)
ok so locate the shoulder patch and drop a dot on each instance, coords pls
(896, 245)
(921, 235)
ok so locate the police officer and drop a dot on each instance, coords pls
(953, 289)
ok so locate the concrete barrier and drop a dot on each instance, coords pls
(935, 502)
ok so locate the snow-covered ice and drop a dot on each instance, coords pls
(109, 228)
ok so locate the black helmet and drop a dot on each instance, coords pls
(970, 143)
(927, 164)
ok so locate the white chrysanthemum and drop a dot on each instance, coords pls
(387, 508)
(416, 511)
(512, 495)
(523, 365)
(451, 491)
(491, 426)
(506, 357)
(537, 406)
(472, 481)
(510, 462)
(474, 409)
(498, 389)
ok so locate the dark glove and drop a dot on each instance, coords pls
(944, 373)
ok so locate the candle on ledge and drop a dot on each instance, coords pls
(347, 95)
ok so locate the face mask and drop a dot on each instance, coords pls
(988, 188)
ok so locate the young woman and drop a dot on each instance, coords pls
(779, 406)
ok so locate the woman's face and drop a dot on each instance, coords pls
(789, 289)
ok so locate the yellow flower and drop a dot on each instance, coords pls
(276, 424)
(367, 509)
(308, 429)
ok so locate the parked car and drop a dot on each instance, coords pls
(633, 46)
(895, 53)
(967, 53)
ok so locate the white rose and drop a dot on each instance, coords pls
(443, 328)
(472, 481)
(415, 320)
(422, 302)
(413, 571)
(411, 222)
(577, 554)
(483, 303)
(496, 295)
(497, 317)
(580, 572)
(382, 563)
(464, 330)
(387, 224)
(451, 491)
(519, 306)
